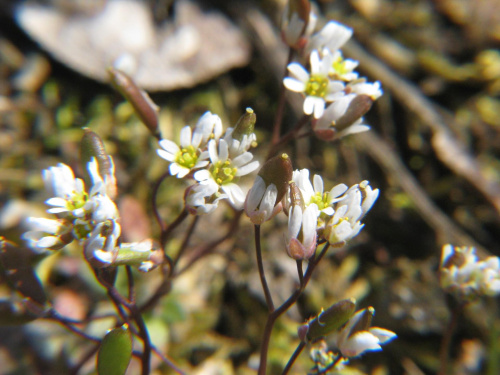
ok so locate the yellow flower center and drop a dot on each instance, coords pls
(317, 86)
(187, 157)
(222, 172)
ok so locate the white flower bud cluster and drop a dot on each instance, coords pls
(466, 277)
(216, 160)
(91, 218)
(333, 92)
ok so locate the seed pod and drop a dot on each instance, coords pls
(145, 108)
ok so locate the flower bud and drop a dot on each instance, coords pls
(245, 125)
(328, 320)
(140, 100)
(295, 21)
(93, 146)
(359, 105)
(278, 171)
(263, 201)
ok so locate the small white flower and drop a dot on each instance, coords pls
(325, 127)
(223, 171)
(343, 69)
(332, 36)
(361, 87)
(260, 203)
(314, 192)
(353, 340)
(293, 29)
(346, 221)
(69, 192)
(317, 87)
(462, 274)
(188, 156)
(202, 199)
(209, 126)
(46, 234)
(101, 247)
(237, 147)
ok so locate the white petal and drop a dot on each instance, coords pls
(382, 334)
(166, 155)
(318, 184)
(212, 151)
(359, 343)
(242, 159)
(202, 175)
(169, 146)
(294, 221)
(255, 195)
(186, 135)
(223, 150)
(249, 168)
(298, 72)
(294, 85)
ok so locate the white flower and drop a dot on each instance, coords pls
(332, 36)
(260, 203)
(237, 147)
(294, 30)
(361, 87)
(345, 223)
(317, 87)
(69, 192)
(223, 170)
(462, 274)
(186, 158)
(209, 126)
(301, 236)
(343, 69)
(325, 127)
(314, 193)
(47, 234)
(203, 199)
(101, 247)
(356, 336)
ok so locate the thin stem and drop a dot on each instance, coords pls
(273, 315)
(131, 289)
(294, 357)
(156, 188)
(165, 234)
(185, 242)
(300, 272)
(260, 265)
(444, 352)
(281, 105)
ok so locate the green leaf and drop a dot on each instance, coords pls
(115, 352)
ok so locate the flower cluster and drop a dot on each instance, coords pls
(215, 159)
(463, 275)
(91, 218)
(343, 331)
(334, 93)
(337, 212)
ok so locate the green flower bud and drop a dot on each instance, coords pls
(245, 125)
(328, 320)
